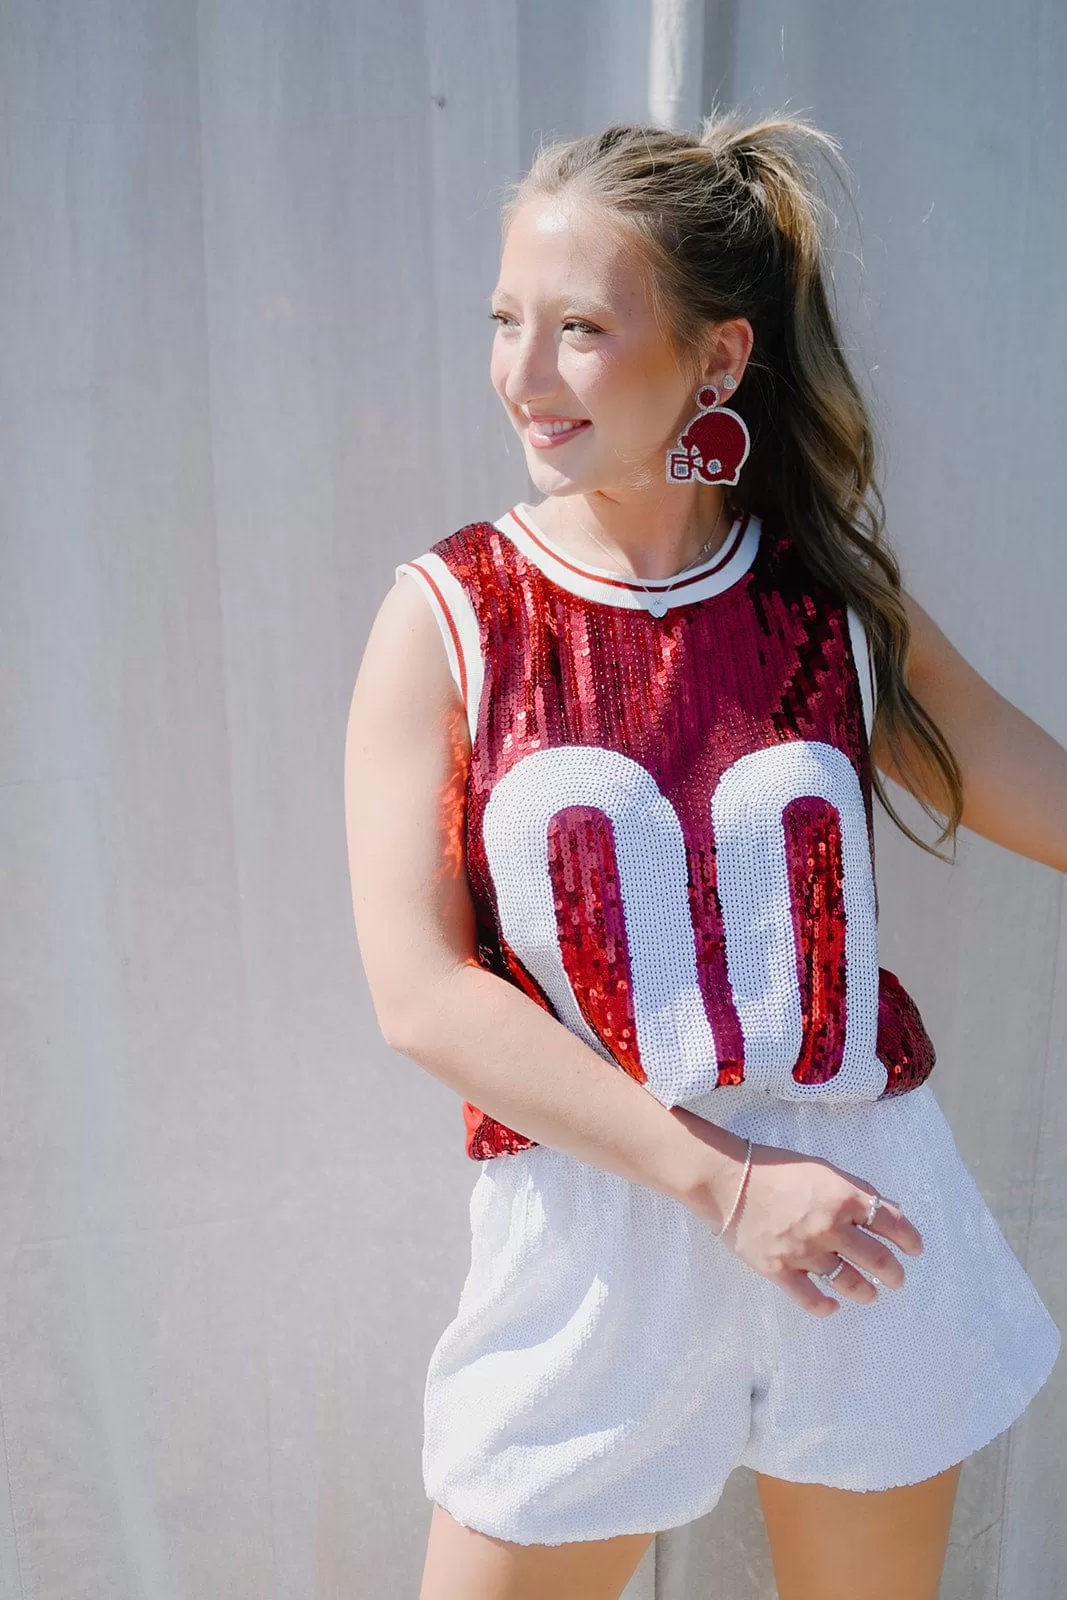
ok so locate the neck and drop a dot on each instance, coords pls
(651, 536)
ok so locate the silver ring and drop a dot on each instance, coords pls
(875, 1203)
(829, 1277)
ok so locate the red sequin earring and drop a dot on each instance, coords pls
(715, 443)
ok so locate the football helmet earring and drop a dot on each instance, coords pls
(715, 442)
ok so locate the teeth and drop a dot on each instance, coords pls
(555, 427)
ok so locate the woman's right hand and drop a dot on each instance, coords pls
(799, 1214)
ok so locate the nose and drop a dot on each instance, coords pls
(531, 374)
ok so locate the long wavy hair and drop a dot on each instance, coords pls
(730, 223)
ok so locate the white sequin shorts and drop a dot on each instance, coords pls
(610, 1361)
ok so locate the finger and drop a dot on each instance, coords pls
(848, 1282)
(890, 1222)
(868, 1253)
(801, 1289)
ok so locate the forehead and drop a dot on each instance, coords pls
(561, 248)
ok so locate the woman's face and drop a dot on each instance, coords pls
(576, 341)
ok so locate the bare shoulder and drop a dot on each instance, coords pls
(404, 671)
(928, 642)
(407, 756)
(923, 668)
(938, 675)
(952, 692)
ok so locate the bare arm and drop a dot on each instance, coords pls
(406, 758)
(1014, 773)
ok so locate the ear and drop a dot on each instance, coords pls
(728, 349)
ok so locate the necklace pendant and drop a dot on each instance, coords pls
(657, 604)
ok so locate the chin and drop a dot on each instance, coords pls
(548, 479)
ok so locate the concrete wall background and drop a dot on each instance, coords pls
(247, 252)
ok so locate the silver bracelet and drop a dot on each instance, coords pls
(737, 1197)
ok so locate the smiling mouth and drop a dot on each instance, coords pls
(545, 434)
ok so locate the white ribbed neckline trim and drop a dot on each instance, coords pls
(719, 572)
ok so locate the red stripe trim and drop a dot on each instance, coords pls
(657, 585)
(453, 630)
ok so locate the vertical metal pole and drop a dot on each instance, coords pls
(675, 60)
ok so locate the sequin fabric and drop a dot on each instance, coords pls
(610, 1361)
(669, 831)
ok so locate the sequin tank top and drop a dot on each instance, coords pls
(669, 829)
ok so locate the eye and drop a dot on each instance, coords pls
(503, 319)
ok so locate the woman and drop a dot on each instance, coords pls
(610, 775)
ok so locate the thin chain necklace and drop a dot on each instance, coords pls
(656, 600)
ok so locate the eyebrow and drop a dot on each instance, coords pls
(578, 303)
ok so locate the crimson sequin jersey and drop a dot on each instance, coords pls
(668, 824)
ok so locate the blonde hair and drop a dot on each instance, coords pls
(729, 224)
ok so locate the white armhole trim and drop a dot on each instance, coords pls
(458, 626)
(861, 649)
